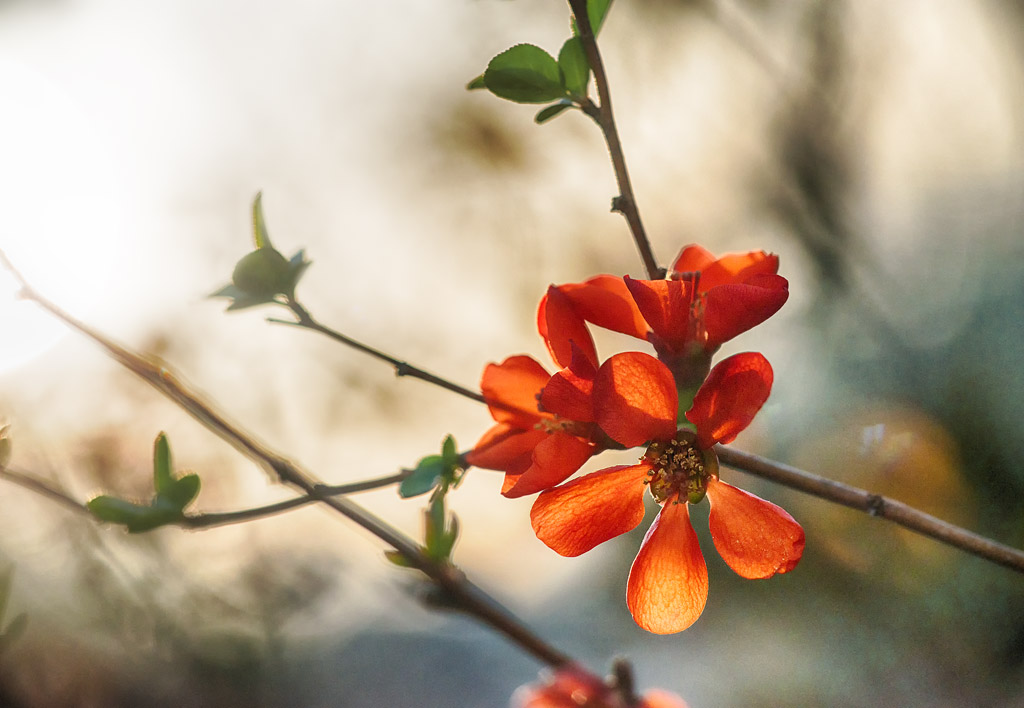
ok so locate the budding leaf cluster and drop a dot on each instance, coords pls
(439, 473)
(528, 74)
(171, 496)
(264, 275)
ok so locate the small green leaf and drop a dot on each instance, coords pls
(297, 266)
(546, 114)
(477, 83)
(449, 453)
(451, 535)
(425, 477)
(398, 559)
(262, 273)
(136, 517)
(572, 60)
(181, 492)
(524, 74)
(228, 290)
(597, 10)
(245, 302)
(162, 480)
(259, 225)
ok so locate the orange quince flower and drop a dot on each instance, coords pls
(703, 303)
(668, 583)
(536, 448)
(573, 687)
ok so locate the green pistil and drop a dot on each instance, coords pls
(679, 467)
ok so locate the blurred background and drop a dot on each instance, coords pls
(876, 146)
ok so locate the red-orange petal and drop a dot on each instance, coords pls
(554, 459)
(505, 447)
(730, 397)
(604, 301)
(737, 268)
(561, 326)
(732, 309)
(569, 396)
(635, 399)
(588, 511)
(668, 583)
(657, 698)
(756, 538)
(665, 304)
(692, 259)
(511, 388)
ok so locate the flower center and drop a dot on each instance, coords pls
(679, 467)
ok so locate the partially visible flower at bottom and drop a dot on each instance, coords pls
(574, 687)
(668, 583)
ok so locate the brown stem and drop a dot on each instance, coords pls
(875, 505)
(464, 594)
(208, 520)
(402, 368)
(625, 203)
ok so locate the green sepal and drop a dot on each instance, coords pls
(597, 10)
(572, 60)
(555, 109)
(477, 83)
(424, 478)
(525, 74)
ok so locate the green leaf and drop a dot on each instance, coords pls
(449, 453)
(451, 535)
(597, 10)
(477, 83)
(259, 225)
(263, 273)
(572, 60)
(398, 559)
(136, 517)
(162, 480)
(546, 114)
(297, 266)
(425, 477)
(524, 74)
(182, 491)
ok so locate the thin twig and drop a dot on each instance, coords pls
(210, 519)
(40, 486)
(463, 594)
(402, 368)
(875, 505)
(625, 203)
